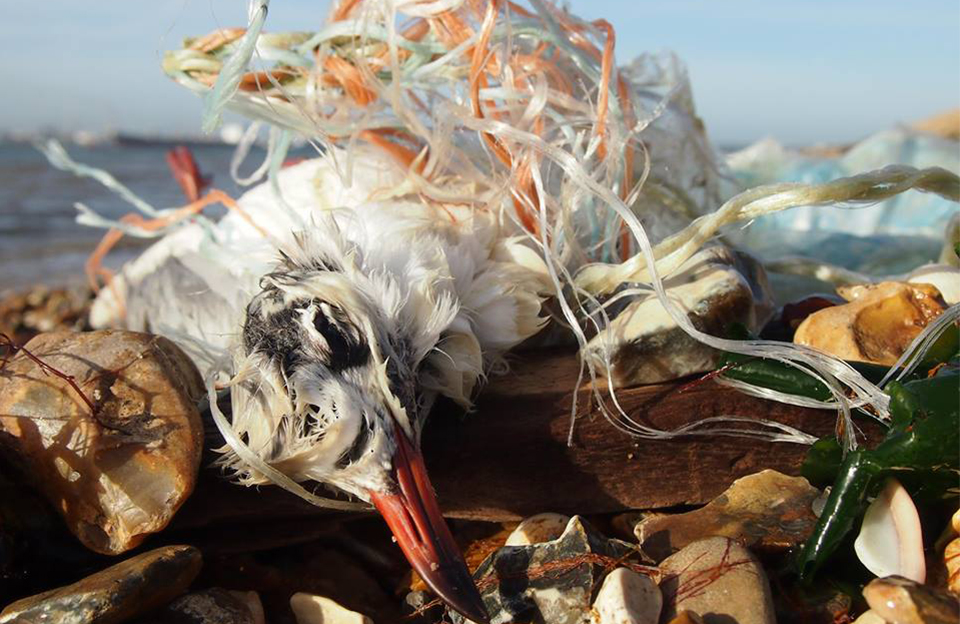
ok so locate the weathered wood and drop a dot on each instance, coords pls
(509, 458)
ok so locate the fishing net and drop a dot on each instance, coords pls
(522, 110)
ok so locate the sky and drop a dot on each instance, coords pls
(802, 71)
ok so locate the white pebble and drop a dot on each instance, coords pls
(627, 597)
(312, 609)
(945, 277)
(537, 529)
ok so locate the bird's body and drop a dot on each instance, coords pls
(341, 311)
(445, 289)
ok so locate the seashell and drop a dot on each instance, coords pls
(891, 540)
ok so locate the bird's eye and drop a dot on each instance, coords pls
(344, 345)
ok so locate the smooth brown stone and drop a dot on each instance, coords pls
(718, 579)
(686, 617)
(120, 473)
(767, 510)
(877, 325)
(903, 601)
(114, 595)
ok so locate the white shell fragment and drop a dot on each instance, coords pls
(891, 540)
(944, 277)
(627, 597)
(544, 527)
(313, 609)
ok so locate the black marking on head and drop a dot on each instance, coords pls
(278, 332)
(343, 340)
(358, 447)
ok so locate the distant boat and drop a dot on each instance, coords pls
(170, 141)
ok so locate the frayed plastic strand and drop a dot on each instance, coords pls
(522, 110)
(58, 157)
(228, 80)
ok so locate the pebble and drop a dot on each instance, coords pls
(719, 579)
(120, 474)
(951, 556)
(686, 617)
(902, 601)
(552, 581)
(114, 595)
(312, 609)
(536, 529)
(717, 286)
(767, 511)
(627, 597)
(24, 314)
(210, 606)
(877, 324)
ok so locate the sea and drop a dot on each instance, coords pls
(40, 240)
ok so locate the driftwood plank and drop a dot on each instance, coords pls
(510, 459)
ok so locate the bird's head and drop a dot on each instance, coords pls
(335, 399)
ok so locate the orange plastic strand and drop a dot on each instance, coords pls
(603, 99)
(417, 30)
(519, 10)
(478, 80)
(451, 29)
(576, 35)
(216, 39)
(93, 266)
(349, 79)
(112, 237)
(527, 190)
(344, 9)
(218, 196)
(255, 81)
(402, 154)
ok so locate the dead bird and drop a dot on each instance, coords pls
(339, 311)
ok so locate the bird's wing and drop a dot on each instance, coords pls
(177, 290)
(193, 285)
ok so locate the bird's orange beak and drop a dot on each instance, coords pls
(414, 517)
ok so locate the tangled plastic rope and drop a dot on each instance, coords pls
(522, 110)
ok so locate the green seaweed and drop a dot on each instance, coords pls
(921, 449)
